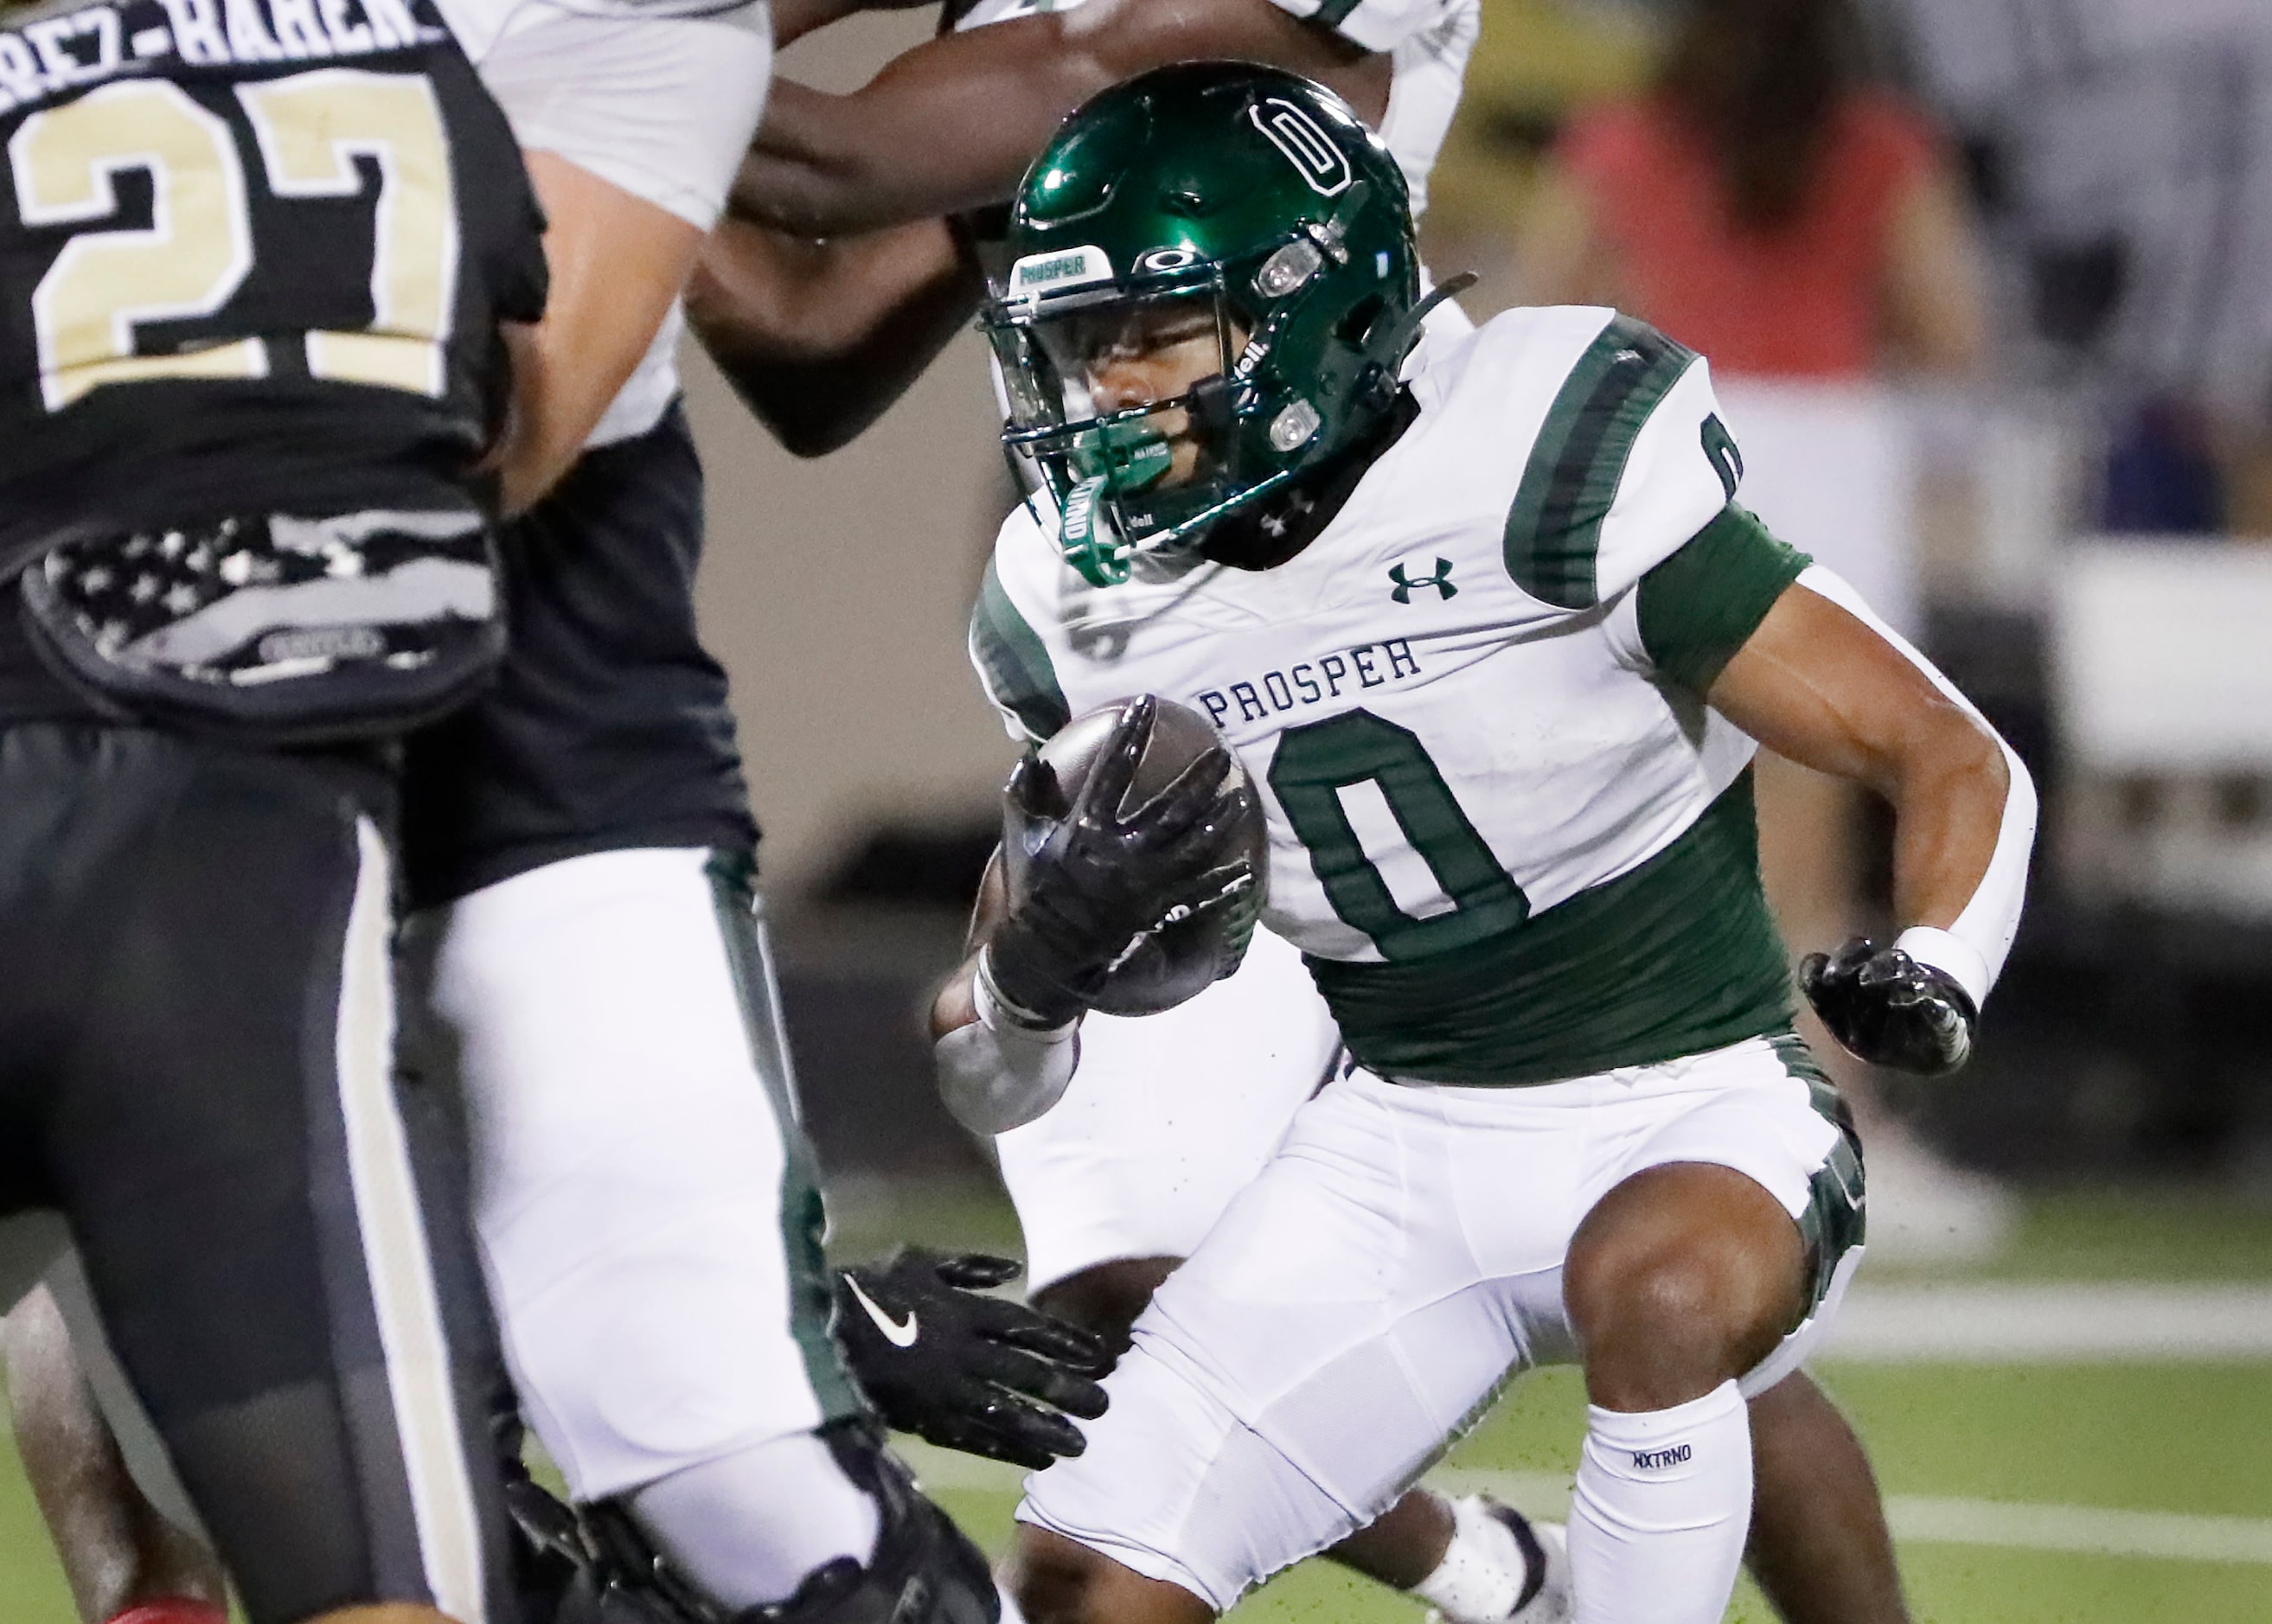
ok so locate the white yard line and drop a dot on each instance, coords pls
(2013, 1525)
(2042, 1323)
(1918, 1519)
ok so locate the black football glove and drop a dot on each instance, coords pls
(1100, 879)
(967, 1372)
(1889, 1009)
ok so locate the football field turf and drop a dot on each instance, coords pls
(2023, 1490)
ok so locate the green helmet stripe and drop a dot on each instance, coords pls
(1554, 529)
(1016, 666)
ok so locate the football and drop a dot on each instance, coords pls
(1181, 959)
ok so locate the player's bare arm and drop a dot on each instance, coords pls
(1816, 685)
(618, 262)
(820, 338)
(1819, 685)
(952, 125)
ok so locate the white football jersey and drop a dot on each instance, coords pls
(1428, 42)
(1445, 698)
(658, 97)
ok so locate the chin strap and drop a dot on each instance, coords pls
(1388, 350)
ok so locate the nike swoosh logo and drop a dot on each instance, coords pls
(898, 1335)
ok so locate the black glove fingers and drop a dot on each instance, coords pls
(1114, 771)
(1025, 1379)
(976, 1272)
(1193, 797)
(1032, 788)
(1815, 976)
(1063, 1344)
(969, 1438)
(1031, 1331)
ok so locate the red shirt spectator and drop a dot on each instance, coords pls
(1801, 299)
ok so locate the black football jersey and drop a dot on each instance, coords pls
(253, 256)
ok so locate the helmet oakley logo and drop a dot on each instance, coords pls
(1290, 129)
(1168, 259)
(1037, 274)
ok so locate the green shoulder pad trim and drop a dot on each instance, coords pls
(1554, 529)
(1017, 665)
(1703, 603)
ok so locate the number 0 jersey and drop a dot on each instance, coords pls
(1511, 838)
(253, 254)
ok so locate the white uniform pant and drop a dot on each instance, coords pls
(1168, 1117)
(642, 1192)
(1399, 1259)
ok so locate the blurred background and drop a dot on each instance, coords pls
(1987, 287)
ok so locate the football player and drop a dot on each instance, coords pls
(637, 1172)
(1489, 624)
(818, 337)
(252, 272)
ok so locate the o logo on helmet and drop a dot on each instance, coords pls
(1168, 259)
(1290, 129)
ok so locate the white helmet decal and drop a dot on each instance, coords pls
(1290, 129)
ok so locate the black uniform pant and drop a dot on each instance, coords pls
(198, 1068)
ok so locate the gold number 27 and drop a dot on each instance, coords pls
(198, 250)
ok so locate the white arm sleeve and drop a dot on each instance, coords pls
(1973, 948)
(999, 1073)
(662, 106)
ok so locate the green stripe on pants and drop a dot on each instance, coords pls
(803, 1220)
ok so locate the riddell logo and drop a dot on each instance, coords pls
(1653, 1460)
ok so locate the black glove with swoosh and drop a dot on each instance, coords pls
(966, 1370)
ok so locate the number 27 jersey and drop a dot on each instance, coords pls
(253, 254)
(1511, 839)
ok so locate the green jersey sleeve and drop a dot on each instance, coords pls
(1701, 605)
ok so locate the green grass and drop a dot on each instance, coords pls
(32, 1588)
(2187, 1439)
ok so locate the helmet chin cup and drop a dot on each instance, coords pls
(1127, 456)
(1091, 541)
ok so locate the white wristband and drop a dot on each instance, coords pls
(997, 1010)
(1958, 959)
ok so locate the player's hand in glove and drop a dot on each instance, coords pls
(964, 1371)
(1889, 1009)
(1101, 878)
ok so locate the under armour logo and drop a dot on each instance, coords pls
(1405, 586)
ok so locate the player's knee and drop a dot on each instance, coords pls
(1673, 1290)
(1060, 1581)
(1106, 1298)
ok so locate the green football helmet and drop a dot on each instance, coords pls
(1222, 199)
